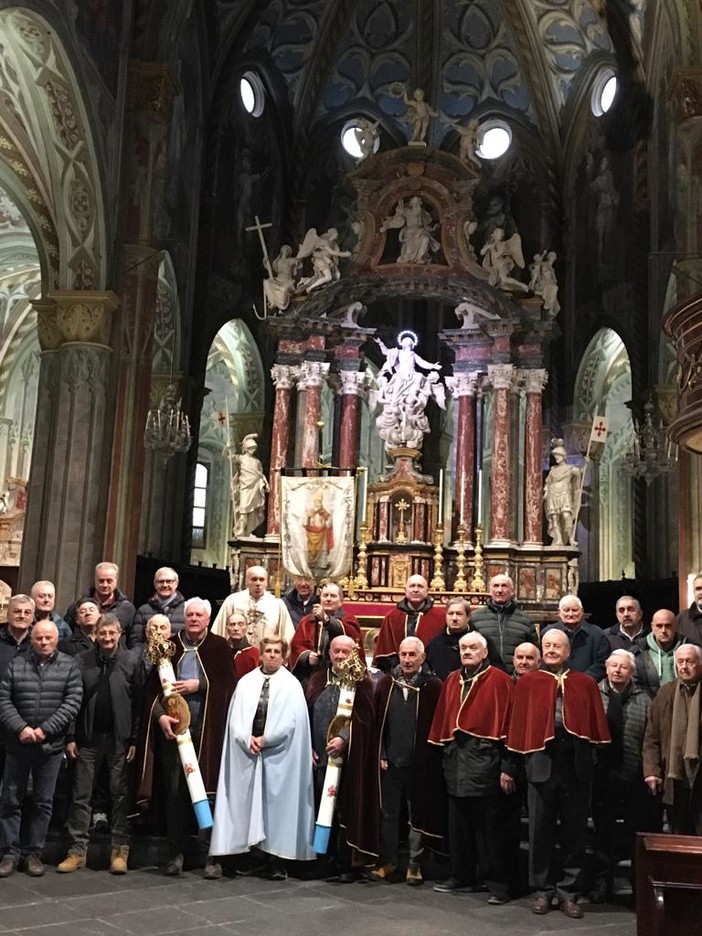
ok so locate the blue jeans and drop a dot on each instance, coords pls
(44, 770)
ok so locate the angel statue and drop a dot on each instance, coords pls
(325, 253)
(416, 231)
(469, 142)
(499, 259)
(365, 134)
(403, 393)
(543, 281)
(418, 113)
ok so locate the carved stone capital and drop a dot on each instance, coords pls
(353, 383)
(464, 384)
(50, 337)
(84, 315)
(284, 376)
(312, 374)
(534, 379)
(501, 376)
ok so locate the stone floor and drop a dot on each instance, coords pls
(145, 903)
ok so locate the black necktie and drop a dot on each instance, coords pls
(259, 722)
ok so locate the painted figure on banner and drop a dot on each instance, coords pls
(403, 393)
(320, 535)
(561, 490)
(316, 526)
(249, 487)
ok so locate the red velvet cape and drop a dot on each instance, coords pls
(308, 636)
(483, 712)
(245, 660)
(216, 660)
(532, 722)
(393, 630)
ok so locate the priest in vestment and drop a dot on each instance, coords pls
(265, 613)
(557, 718)
(265, 796)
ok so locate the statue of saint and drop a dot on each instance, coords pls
(416, 227)
(404, 392)
(278, 288)
(543, 281)
(249, 488)
(561, 494)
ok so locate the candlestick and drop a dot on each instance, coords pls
(480, 496)
(364, 502)
(440, 517)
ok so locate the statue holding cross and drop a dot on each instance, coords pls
(279, 286)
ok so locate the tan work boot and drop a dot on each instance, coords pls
(118, 859)
(71, 862)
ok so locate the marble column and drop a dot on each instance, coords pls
(500, 377)
(353, 389)
(534, 383)
(284, 378)
(313, 374)
(67, 491)
(464, 389)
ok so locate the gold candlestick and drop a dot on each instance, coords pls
(361, 579)
(460, 583)
(478, 582)
(437, 582)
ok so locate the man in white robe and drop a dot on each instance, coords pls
(265, 792)
(265, 613)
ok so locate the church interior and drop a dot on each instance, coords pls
(219, 219)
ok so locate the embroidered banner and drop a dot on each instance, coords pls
(317, 525)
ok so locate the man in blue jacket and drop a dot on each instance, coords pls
(40, 696)
(589, 648)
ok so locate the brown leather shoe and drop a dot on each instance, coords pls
(571, 909)
(8, 866)
(541, 905)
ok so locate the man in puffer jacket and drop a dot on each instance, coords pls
(655, 661)
(40, 696)
(503, 622)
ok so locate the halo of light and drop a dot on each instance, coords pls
(604, 91)
(252, 94)
(494, 140)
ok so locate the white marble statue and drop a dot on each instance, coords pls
(279, 288)
(467, 312)
(365, 135)
(469, 143)
(561, 495)
(543, 281)
(500, 256)
(403, 393)
(249, 488)
(416, 229)
(418, 113)
(325, 253)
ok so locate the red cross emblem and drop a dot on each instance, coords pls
(599, 429)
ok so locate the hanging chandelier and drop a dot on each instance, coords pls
(653, 454)
(167, 428)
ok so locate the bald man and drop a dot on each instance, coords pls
(415, 616)
(655, 660)
(526, 659)
(266, 614)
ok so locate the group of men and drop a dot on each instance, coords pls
(466, 715)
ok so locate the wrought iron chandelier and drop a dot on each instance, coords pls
(653, 454)
(167, 428)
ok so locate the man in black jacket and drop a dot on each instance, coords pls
(40, 696)
(165, 600)
(105, 731)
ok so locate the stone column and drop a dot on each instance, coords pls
(67, 492)
(353, 388)
(500, 377)
(312, 375)
(284, 378)
(534, 383)
(464, 389)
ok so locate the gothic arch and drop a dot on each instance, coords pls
(603, 386)
(46, 158)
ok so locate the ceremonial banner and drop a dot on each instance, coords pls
(316, 526)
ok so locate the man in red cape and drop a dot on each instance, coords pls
(470, 723)
(309, 650)
(556, 719)
(415, 616)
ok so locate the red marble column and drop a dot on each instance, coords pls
(284, 378)
(353, 384)
(464, 389)
(535, 381)
(500, 376)
(312, 376)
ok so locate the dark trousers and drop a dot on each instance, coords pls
(103, 750)
(43, 769)
(612, 800)
(562, 797)
(476, 837)
(685, 813)
(395, 785)
(180, 818)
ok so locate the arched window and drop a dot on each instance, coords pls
(202, 476)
